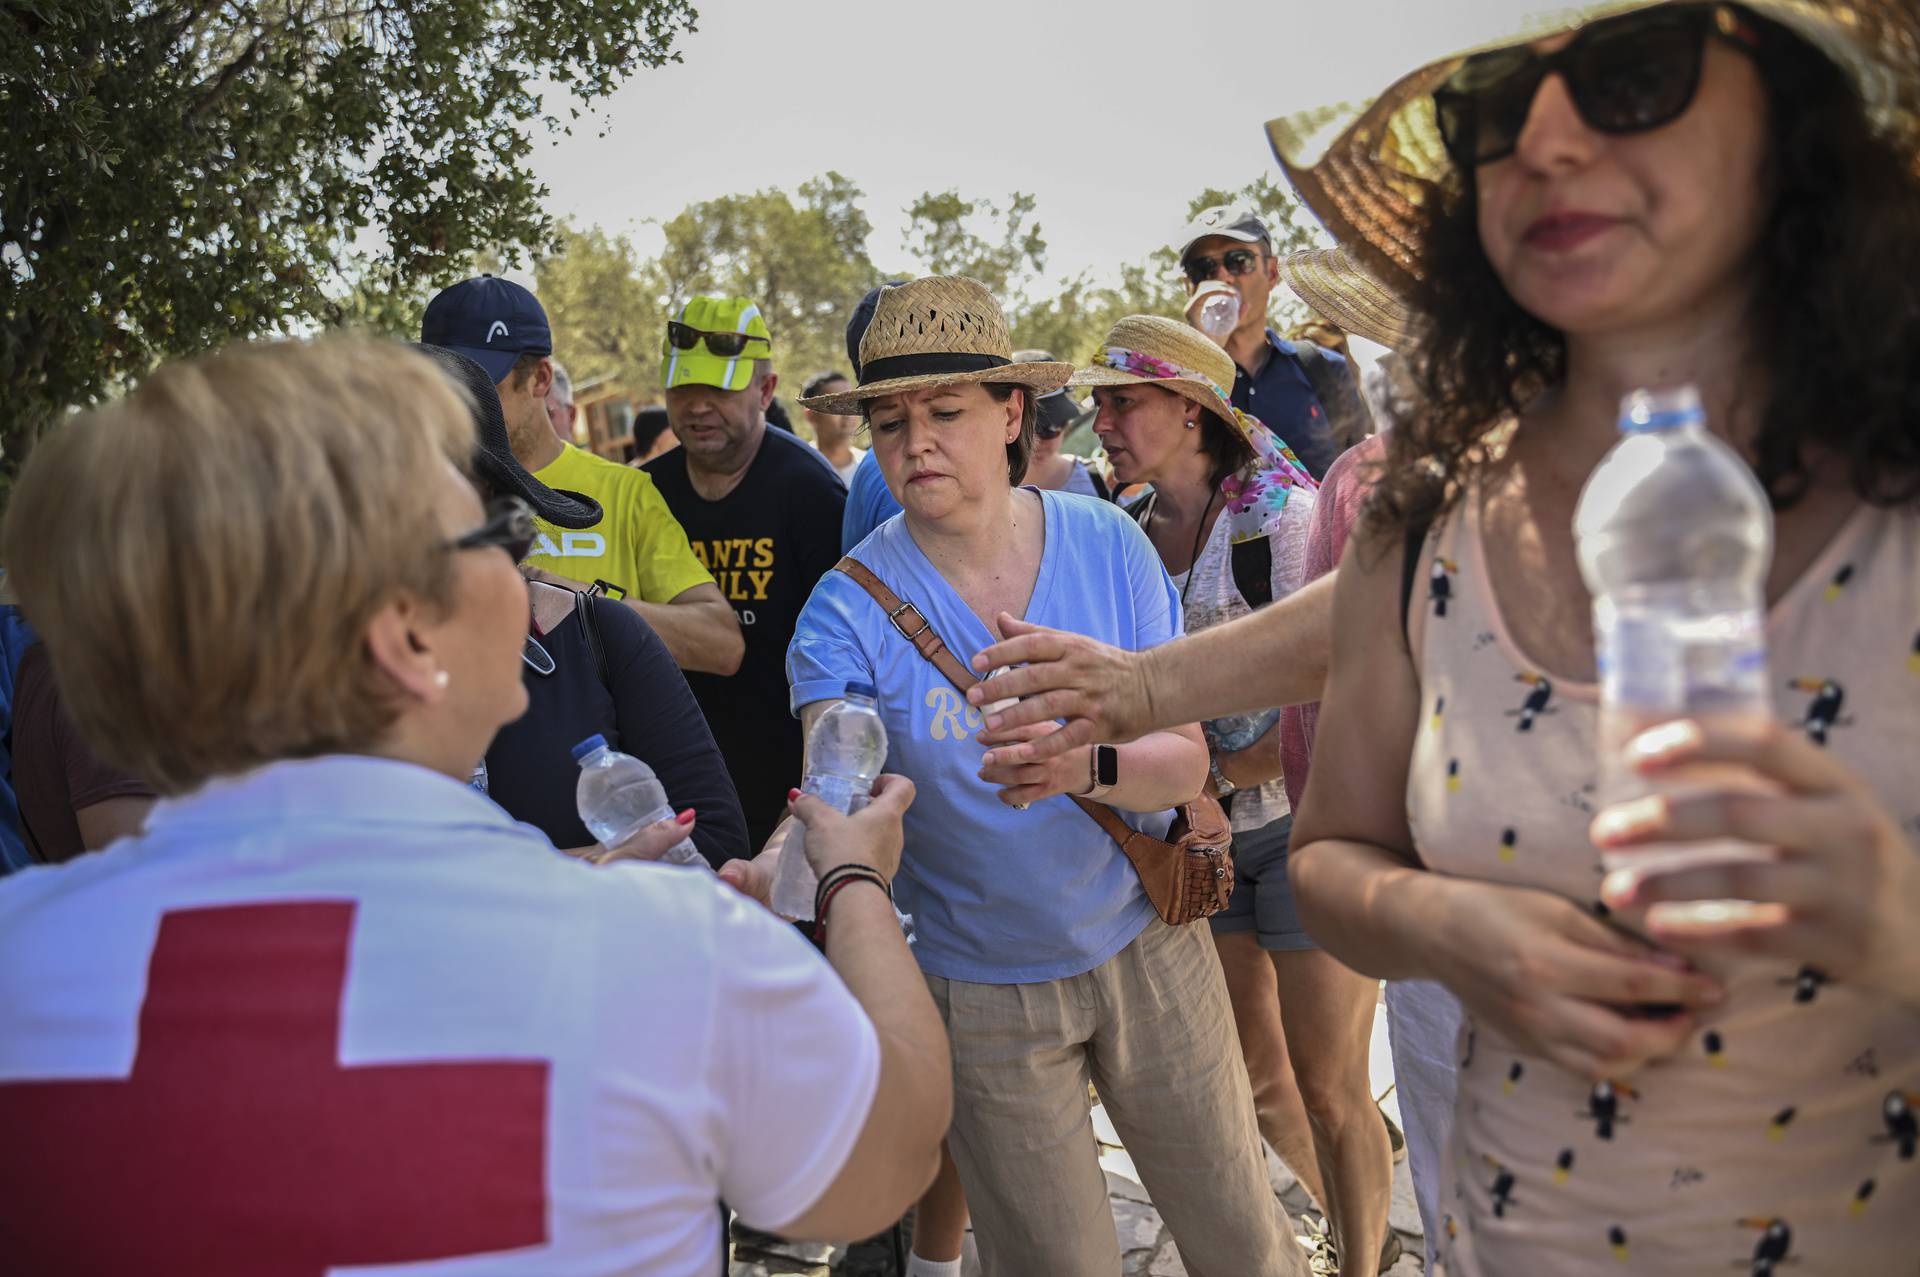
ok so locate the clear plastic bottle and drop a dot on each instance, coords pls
(845, 751)
(618, 796)
(1675, 536)
(1215, 309)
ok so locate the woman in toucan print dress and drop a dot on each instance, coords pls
(1662, 194)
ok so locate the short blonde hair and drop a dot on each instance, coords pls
(203, 557)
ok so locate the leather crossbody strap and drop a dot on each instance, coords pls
(917, 630)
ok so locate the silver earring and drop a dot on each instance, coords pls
(1193, 425)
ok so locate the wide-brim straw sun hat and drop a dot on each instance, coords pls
(1153, 350)
(937, 331)
(1336, 287)
(1368, 168)
(1150, 350)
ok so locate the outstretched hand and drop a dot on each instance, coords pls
(1097, 690)
(650, 843)
(872, 836)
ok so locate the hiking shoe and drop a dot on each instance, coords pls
(1396, 1138)
(1389, 1250)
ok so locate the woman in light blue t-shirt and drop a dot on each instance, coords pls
(1035, 936)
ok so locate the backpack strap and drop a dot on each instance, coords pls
(1251, 561)
(590, 621)
(1339, 398)
(917, 630)
(1321, 374)
(1252, 564)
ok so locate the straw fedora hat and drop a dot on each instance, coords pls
(1151, 350)
(1366, 169)
(1335, 286)
(937, 331)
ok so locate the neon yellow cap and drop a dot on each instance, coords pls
(702, 366)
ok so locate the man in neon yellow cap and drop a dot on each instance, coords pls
(762, 510)
(636, 547)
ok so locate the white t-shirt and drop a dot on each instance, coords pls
(345, 1012)
(845, 472)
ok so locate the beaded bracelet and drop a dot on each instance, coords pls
(833, 875)
(830, 886)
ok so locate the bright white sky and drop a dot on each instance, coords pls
(1113, 113)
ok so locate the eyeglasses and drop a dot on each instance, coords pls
(725, 345)
(1239, 261)
(1628, 75)
(509, 525)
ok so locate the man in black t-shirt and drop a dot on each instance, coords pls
(763, 514)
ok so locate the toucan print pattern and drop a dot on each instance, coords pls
(1785, 1137)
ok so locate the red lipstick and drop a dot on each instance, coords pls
(1562, 232)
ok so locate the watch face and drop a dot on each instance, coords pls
(1106, 765)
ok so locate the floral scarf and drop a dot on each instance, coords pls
(1257, 492)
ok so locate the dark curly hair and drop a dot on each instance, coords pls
(1836, 308)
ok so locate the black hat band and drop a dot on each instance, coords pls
(936, 364)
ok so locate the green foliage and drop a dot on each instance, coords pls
(1294, 229)
(943, 240)
(805, 263)
(606, 306)
(177, 174)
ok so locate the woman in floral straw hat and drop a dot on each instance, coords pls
(1229, 513)
(1667, 193)
(1046, 959)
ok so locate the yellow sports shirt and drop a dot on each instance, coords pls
(637, 545)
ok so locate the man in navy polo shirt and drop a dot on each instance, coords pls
(1306, 395)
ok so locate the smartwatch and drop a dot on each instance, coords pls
(1106, 771)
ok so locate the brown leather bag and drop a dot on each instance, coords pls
(1187, 876)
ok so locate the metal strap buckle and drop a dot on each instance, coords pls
(894, 616)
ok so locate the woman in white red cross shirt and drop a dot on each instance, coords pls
(334, 1007)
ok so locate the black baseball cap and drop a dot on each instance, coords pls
(858, 321)
(493, 458)
(491, 321)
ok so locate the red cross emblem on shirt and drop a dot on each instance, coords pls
(239, 1145)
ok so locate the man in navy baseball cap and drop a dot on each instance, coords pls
(491, 321)
(638, 548)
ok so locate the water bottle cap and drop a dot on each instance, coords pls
(587, 746)
(1661, 410)
(867, 690)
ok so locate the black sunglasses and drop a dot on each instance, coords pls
(509, 525)
(1626, 75)
(725, 345)
(1238, 261)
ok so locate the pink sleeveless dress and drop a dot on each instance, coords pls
(1782, 1138)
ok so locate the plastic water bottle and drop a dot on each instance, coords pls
(1675, 536)
(1218, 312)
(845, 751)
(618, 796)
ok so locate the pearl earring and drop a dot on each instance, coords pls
(441, 678)
(1193, 425)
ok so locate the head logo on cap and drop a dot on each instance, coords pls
(714, 341)
(489, 320)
